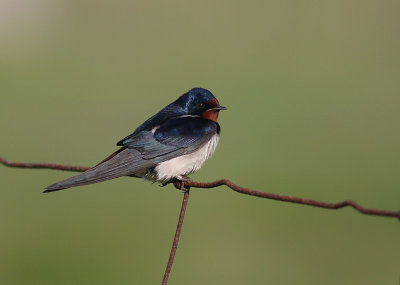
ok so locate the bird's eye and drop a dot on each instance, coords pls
(201, 105)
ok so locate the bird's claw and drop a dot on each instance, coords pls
(179, 183)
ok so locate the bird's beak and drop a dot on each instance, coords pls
(218, 108)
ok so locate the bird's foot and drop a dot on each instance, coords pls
(179, 183)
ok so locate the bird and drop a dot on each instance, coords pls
(170, 145)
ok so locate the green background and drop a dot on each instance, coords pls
(313, 91)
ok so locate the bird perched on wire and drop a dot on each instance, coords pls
(173, 143)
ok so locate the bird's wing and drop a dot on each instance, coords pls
(175, 137)
(141, 151)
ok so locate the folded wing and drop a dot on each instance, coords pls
(145, 149)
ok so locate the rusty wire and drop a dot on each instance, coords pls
(231, 185)
(292, 199)
(187, 183)
(43, 165)
(176, 238)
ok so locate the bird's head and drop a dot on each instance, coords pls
(201, 102)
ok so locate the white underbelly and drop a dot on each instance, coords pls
(186, 164)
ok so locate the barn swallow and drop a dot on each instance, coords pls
(173, 143)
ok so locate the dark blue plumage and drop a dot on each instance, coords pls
(186, 133)
(174, 142)
(187, 104)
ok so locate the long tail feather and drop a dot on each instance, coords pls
(124, 162)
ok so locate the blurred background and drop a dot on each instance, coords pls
(312, 89)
